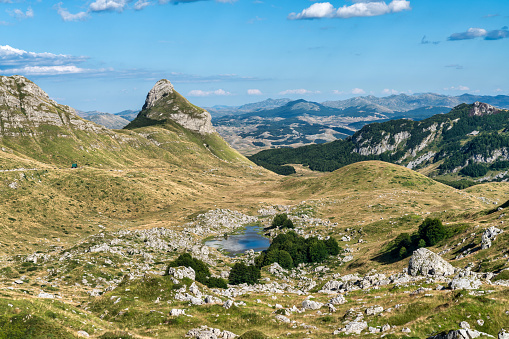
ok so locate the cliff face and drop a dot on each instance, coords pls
(164, 104)
(25, 108)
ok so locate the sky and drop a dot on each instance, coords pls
(105, 55)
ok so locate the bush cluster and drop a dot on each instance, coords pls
(282, 221)
(290, 249)
(201, 270)
(242, 273)
(430, 232)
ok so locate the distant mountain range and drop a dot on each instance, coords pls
(113, 121)
(471, 141)
(274, 123)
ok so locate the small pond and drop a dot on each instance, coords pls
(239, 243)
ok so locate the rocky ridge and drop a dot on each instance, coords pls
(163, 104)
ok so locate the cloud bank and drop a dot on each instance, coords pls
(474, 32)
(364, 8)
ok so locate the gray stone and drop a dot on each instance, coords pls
(182, 272)
(282, 318)
(83, 334)
(311, 305)
(338, 300)
(425, 262)
(467, 283)
(374, 310)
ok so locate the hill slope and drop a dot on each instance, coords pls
(471, 140)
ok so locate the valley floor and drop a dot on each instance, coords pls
(100, 273)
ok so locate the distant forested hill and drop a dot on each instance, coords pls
(470, 141)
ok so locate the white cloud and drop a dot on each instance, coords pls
(200, 93)
(48, 70)
(390, 91)
(317, 10)
(459, 88)
(140, 4)
(108, 5)
(338, 92)
(19, 14)
(254, 92)
(498, 90)
(13, 57)
(67, 16)
(358, 9)
(471, 33)
(358, 91)
(300, 91)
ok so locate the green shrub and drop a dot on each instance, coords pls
(242, 273)
(279, 220)
(432, 231)
(201, 270)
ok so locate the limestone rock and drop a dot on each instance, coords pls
(374, 310)
(282, 318)
(425, 262)
(489, 235)
(182, 272)
(338, 300)
(205, 332)
(503, 334)
(163, 103)
(467, 283)
(353, 327)
(311, 305)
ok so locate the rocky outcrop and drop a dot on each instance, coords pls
(489, 235)
(425, 262)
(25, 107)
(480, 109)
(164, 104)
(205, 332)
(387, 144)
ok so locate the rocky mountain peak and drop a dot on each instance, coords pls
(164, 104)
(481, 109)
(161, 89)
(24, 107)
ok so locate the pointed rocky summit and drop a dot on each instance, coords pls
(164, 104)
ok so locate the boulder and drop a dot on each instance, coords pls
(182, 272)
(467, 283)
(353, 327)
(503, 334)
(425, 262)
(338, 300)
(488, 236)
(311, 305)
(374, 310)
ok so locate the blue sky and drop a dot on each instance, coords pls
(106, 54)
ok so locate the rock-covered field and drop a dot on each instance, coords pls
(115, 280)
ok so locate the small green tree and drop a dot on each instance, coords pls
(288, 223)
(432, 231)
(285, 259)
(241, 273)
(317, 251)
(279, 219)
(332, 246)
(402, 252)
(422, 243)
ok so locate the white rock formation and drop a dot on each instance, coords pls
(425, 262)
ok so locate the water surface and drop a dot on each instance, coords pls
(239, 243)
